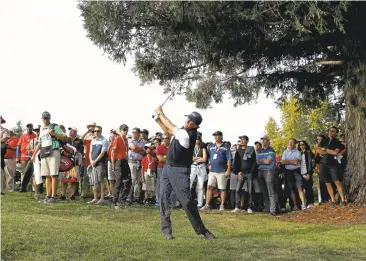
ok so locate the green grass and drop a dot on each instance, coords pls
(77, 231)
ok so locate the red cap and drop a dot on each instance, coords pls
(29, 125)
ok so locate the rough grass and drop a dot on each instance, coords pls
(77, 231)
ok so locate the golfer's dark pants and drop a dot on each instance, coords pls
(177, 179)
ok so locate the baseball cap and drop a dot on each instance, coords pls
(145, 131)
(123, 126)
(149, 147)
(2, 119)
(257, 142)
(199, 134)
(244, 136)
(195, 117)
(46, 115)
(74, 129)
(29, 125)
(217, 133)
(158, 134)
(265, 137)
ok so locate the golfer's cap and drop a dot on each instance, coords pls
(123, 127)
(145, 131)
(195, 117)
(217, 133)
(2, 119)
(93, 124)
(257, 142)
(265, 137)
(74, 129)
(46, 115)
(244, 136)
(29, 125)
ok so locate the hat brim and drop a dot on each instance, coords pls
(3, 121)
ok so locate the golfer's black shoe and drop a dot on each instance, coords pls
(208, 235)
(168, 237)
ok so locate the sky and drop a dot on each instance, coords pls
(48, 64)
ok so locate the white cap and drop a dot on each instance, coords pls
(74, 129)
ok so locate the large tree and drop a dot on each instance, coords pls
(313, 50)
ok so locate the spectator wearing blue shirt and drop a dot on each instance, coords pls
(266, 161)
(98, 158)
(291, 158)
(219, 166)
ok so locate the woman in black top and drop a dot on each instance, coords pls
(198, 169)
(307, 170)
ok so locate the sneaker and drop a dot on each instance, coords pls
(332, 204)
(283, 210)
(205, 208)
(310, 206)
(100, 202)
(168, 237)
(36, 196)
(236, 210)
(63, 197)
(208, 235)
(250, 211)
(343, 204)
(93, 201)
(117, 207)
(51, 200)
(272, 214)
(44, 200)
(72, 197)
(222, 208)
(303, 207)
(295, 209)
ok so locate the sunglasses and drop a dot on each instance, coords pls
(96, 131)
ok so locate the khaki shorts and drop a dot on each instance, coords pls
(50, 165)
(149, 184)
(218, 179)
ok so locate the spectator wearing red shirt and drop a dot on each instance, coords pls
(87, 138)
(161, 152)
(148, 173)
(10, 163)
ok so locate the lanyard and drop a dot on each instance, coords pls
(217, 148)
(149, 162)
(197, 152)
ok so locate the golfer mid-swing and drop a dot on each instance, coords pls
(177, 170)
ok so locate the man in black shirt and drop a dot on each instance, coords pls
(330, 165)
(244, 168)
(176, 172)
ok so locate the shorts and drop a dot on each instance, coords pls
(233, 181)
(328, 173)
(97, 175)
(294, 178)
(217, 178)
(50, 165)
(111, 172)
(149, 184)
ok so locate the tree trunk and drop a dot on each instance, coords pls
(355, 93)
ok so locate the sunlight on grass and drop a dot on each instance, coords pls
(77, 231)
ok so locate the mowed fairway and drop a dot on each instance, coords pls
(77, 231)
